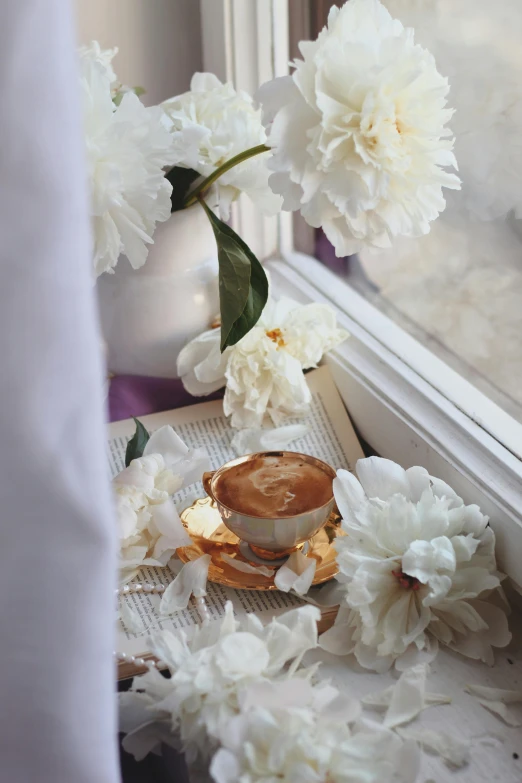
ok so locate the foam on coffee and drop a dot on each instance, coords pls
(274, 486)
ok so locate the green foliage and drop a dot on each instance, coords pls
(136, 445)
(243, 286)
(181, 179)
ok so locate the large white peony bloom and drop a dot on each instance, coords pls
(209, 673)
(127, 149)
(358, 131)
(150, 529)
(263, 372)
(418, 565)
(213, 123)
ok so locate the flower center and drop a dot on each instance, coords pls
(408, 582)
(276, 335)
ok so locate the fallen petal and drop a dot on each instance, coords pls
(192, 579)
(130, 619)
(381, 701)
(246, 568)
(408, 696)
(499, 709)
(495, 694)
(297, 573)
(251, 440)
(454, 750)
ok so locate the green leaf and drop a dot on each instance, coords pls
(181, 179)
(243, 287)
(257, 296)
(136, 445)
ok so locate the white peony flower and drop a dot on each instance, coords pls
(127, 148)
(209, 674)
(263, 372)
(213, 123)
(306, 737)
(358, 131)
(418, 565)
(150, 529)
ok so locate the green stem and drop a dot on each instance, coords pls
(208, 181)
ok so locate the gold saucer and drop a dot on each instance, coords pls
(211, 537)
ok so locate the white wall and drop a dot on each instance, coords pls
(159, 41)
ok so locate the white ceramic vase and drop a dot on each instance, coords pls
(148, 315)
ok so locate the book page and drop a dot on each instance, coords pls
(331, 438)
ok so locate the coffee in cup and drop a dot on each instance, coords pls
(273, 500)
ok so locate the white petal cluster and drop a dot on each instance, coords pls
(418, 565)
(209, 673)
(358, 131)
(127, 149)
(212, 123)
(237, 698)
(263, 372)
(150, 529)
(307, 744)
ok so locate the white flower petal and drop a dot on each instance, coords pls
(146, 739)
(167, 443)
(408, 697)
(170, 526)
(499, 709)
(339, 639)
(296, 574)
(349, 494)
(130, 619)
(224, 767)
(382, 700)
(507, 696)
(454, 750)
(277, 695)
(419, 481)
(171, 648)
(252, 440)
(191, 580)
(203, 358)
(325, 596)
(246, 568)
(413, 655)
(382, 478)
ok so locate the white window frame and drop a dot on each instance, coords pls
(407, 404)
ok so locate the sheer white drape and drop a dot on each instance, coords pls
(57, 547)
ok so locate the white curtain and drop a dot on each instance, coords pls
(57, 545)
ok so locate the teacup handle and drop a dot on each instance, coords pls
(207, 481)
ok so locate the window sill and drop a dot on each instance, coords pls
(403, 415)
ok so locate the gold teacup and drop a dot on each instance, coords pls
(273, 535)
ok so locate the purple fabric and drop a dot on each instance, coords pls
(137, 395)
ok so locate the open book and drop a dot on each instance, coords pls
(331, 438)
